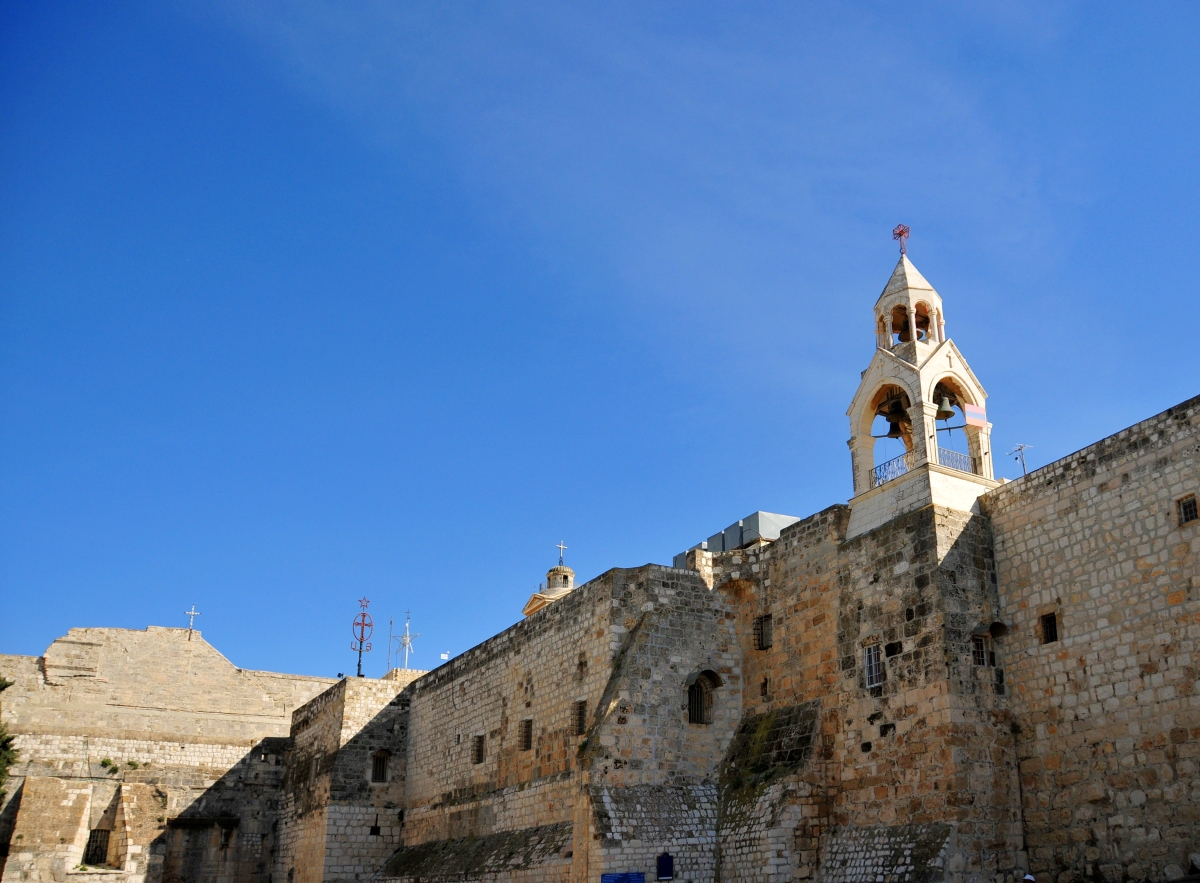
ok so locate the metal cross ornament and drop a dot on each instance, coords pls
(901, 234)
(361, 628)
(561, 548)
(191, 615)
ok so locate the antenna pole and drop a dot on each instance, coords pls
(1018, 453)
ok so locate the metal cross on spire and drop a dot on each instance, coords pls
(191, 615)
(561, 548)
(901, 234)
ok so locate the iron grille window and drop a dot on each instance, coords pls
(700, 701)
(873, 662)
(379, 767)
(1049, 628)
(526, 735)
(477, 749)
(978, 650)
(764, 633)
(1188, 511)
(581, 717)
(96, 851)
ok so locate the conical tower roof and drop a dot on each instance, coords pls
(904, 277)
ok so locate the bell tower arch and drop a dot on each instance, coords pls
(918, 390)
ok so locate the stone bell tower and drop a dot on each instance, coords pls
(921, 385)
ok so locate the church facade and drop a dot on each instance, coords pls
(951, 678)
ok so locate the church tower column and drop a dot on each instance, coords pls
(861, 460)
(924, 433)
(912, 322)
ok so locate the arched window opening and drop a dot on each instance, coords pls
(892, 430)
(957, 442)
(900, 329)
(924, 323)
(379, 766)
(701, 697)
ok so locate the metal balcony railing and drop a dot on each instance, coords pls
(954, 460)
(893, 468)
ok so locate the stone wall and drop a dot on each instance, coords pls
(336, 822)
(182, 751)
(1107, 716)
(639, 779)
(931, 743)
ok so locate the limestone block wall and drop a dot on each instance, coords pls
(933, 742)
(624, 645)
(535, 670)
(651, 773)
(1107, 716)
(169, 713)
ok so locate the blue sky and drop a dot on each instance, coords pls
(306, 302)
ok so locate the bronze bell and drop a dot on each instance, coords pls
(894, 430)
(944, 411)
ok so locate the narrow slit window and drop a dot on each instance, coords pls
(379, 767)
(979, 650)
(477, 748)
(764, 634)
(581, 717)
(766, 687)
(873, 664)
(526, 734)
(1049, 628)
(1188, 510)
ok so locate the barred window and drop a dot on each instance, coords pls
(581, 717)
(379, 766)
(979, 650)
(96, 851)
(477, 749)
(1188, 511)
(700, 701)
(526, 734)
(764, 633)
(873, 664)
(1049, 628)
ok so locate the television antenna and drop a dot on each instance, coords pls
(1018, 453)
(405, 640)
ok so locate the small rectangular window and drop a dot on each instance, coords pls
(873, 662)
(526, 735)
(1049, 628)
(766, 687)
(379, 765)
(477, 749)
(581, 717)
(764, 633)
(1188, 511)
(979, 650)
